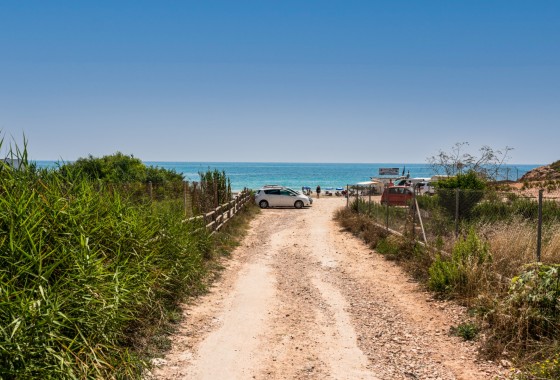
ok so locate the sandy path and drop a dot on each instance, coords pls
(299, 299)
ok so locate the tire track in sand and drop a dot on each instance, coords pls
(300, 299)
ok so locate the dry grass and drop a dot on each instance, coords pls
(514, 245)
(516, 314)
(362, 226)
(521, 317)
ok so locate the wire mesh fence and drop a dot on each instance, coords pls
(438, 220)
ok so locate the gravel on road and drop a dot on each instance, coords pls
(302, 299)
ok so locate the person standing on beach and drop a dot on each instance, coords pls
(318, 190)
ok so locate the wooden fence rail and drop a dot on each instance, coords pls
(217, 218)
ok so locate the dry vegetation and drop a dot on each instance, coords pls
(491, 269)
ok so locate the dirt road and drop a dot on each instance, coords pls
(300, 299)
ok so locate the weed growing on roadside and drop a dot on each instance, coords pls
(531, 310)
(466, 330)
(545, 369)
(461, 273)
(362, 226)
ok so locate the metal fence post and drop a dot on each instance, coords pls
(457, 212)
(539, 227)
(151, 191)
(413, 214)
(387, 216)
(347, 196)
(369, 202)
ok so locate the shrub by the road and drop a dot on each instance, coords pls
(81, 269)
(464, 270)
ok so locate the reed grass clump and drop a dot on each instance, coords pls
(82, 267)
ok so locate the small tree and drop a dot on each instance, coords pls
(470, 186)
(120, 168)
(486, 165)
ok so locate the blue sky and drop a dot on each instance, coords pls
(287, 81)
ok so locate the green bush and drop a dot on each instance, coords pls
(458, 274)
(119, 168)
(470, 187)
(468, 181)
(442, 275)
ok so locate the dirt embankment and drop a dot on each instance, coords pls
(543, 173)
(300, 299)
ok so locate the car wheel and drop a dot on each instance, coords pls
(298, 204)
(263, 204)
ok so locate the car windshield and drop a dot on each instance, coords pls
(293, 191)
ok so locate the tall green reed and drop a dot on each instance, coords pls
(81, 267)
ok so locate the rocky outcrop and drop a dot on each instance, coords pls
(543, 173)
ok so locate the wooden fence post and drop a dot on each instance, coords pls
(186, 199)
(195, 197)
(216, 200)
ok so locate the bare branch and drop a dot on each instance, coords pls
(487, 163)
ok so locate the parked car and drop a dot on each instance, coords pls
(281, 196)
(396, 196)
(425, 188)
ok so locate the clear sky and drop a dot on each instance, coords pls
(288, 81)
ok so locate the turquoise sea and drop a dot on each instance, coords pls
(253, 175)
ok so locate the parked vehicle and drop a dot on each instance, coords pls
(396, 195)
(425, 188)
(402, 182)
(280, 196)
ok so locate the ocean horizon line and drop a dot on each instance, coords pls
(254, 175)
(290, 162)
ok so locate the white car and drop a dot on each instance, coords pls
(425, 188)
(280, 196)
